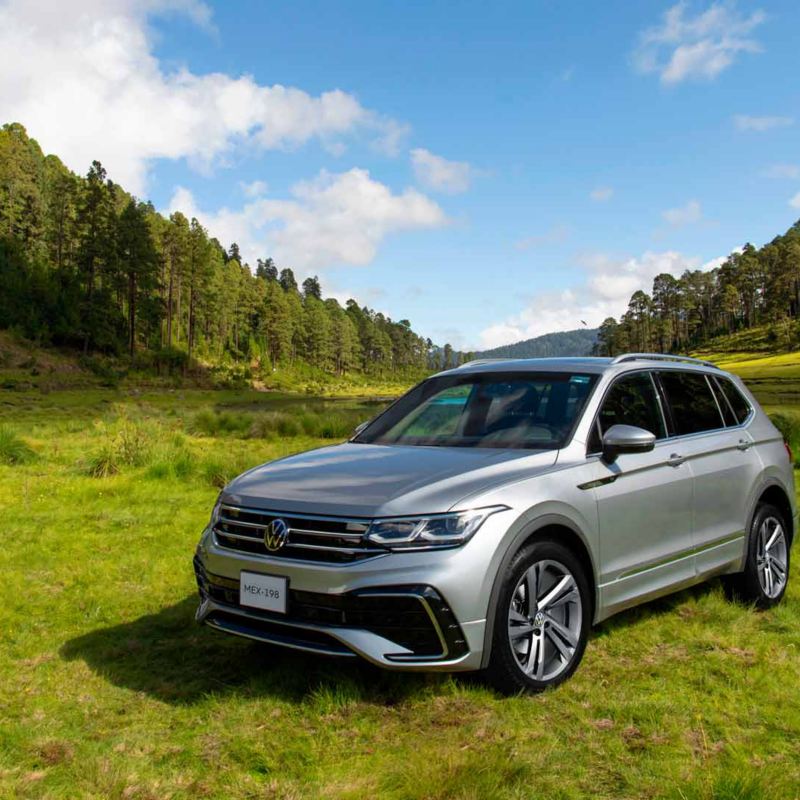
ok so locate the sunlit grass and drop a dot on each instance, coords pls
(109, 690)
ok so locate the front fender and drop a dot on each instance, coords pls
(527, 525)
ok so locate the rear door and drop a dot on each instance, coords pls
(706, 431)
(644, 500)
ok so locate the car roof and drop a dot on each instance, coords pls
(590, 364)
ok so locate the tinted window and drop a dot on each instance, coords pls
(734, 400)
(534, 410)
(691, 401)
(630, 401)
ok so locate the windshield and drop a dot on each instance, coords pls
(518, 409)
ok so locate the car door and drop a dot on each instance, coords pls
(644, 500)
(725, 466)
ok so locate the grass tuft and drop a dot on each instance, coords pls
(126, 444)
(219, 423)
(13, 449)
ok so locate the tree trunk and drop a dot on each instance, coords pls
(132, 313)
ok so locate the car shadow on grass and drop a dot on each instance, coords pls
(168, 656)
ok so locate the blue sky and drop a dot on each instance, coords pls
(490, 171)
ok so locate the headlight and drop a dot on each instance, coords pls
(438, 530)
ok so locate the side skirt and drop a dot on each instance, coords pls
(651, 581)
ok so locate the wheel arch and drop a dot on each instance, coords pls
(775, 494)
(556, 528)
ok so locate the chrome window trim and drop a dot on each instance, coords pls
(751, 411)
(678, 436)
(716, 401)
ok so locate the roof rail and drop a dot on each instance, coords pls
(476, 361)
(659, 357)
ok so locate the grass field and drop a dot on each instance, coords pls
(109, 690)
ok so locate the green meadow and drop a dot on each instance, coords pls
(109, 690)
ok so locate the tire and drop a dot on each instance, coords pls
(766, 570)
(534, 648)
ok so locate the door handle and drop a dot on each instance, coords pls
(744, 444)
(675, 459)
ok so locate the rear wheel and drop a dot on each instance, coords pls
(541, 621)
(766, 571)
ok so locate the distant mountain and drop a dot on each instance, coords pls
(563, 343)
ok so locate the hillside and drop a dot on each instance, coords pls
(87, 266)
(751, 300)
(562, 343)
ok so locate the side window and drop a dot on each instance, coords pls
(736, 403)
(631, 400)
(694, 408)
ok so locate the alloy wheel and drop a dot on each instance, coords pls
(544, 620)
(772, 557)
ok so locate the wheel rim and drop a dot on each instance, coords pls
(545, 619)
(772, 557)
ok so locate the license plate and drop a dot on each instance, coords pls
(267, 592)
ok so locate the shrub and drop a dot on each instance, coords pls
(12, 449)
(219, 472)
(304, 421)
(172, 460)
(219, 423)
(129, 444)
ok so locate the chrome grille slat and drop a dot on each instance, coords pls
(226, 521)
(312, 537)
(289, 515)
(348, 550)
(353, 537)
(230, 535)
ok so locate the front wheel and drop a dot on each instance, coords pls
(541, 621)
(766, 570)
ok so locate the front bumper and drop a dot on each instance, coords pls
(401, 611)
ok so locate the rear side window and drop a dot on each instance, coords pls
(691, 401)
(733, 398)
(631, 400)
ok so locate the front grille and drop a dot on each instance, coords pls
(414, 617)
(332, 540)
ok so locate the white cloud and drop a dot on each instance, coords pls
(439, 174)
(701, 46)
(689, 214)
(795, 201)
(601, 194)
(605, 292)
(744, 122)
(334, 219)
(787, 171)
(391, 137)
(254, 188)
(83, 78)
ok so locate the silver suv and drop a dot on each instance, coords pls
(495, 512)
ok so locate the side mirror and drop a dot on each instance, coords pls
(620, 439)
(360, 428)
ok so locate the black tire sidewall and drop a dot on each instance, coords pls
(503, 670)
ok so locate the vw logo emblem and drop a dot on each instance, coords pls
(276, 535)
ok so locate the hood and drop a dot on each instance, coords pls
(366, 480)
